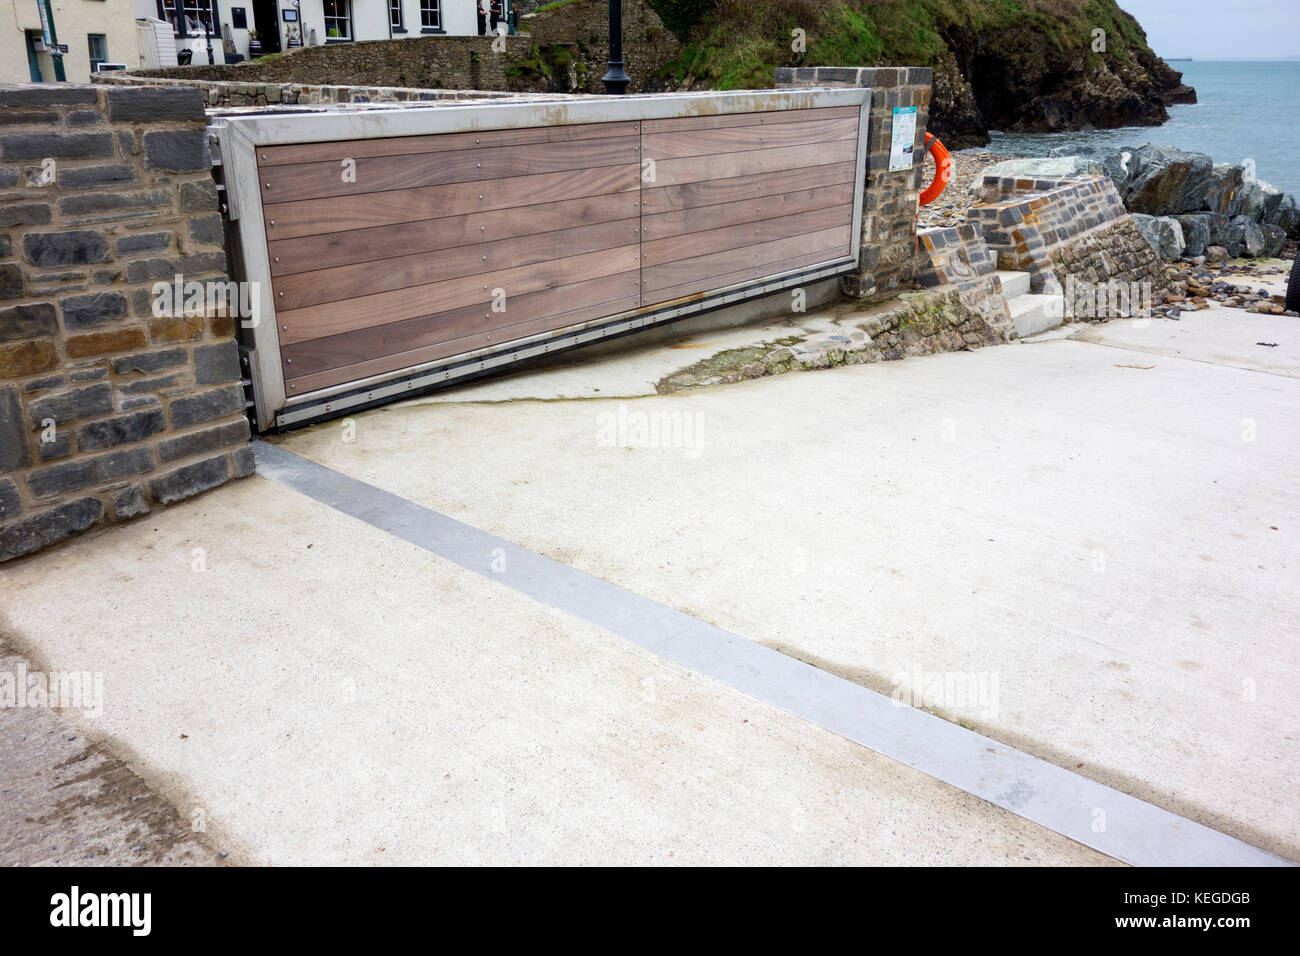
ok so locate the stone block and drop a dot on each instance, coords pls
(190, 480)
(27, 321)
(73, 248)
(152, 104)
(206, 406)
(48, 527)
(86, 311)
(120, 430)
(207, 440)
(177, 150)
(216, 364)
(86, 402)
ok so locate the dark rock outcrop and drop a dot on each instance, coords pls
(1023, 65)
(954, 115)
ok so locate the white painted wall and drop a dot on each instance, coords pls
(370, 18)
(74, 20)
(149, 8)
(115, 19)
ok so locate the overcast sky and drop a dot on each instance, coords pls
(1220, 29)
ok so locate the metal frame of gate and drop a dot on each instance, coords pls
(237, 139)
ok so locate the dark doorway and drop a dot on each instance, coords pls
(266, 17)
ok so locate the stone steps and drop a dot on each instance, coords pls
(1033, 313)
(1013, 283)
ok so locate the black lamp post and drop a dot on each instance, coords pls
(207, 32)
(615, 79)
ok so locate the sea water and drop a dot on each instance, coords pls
(1245, 110)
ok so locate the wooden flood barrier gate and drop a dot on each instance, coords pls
(398, 249)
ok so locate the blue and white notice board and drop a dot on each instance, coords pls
(904, 138)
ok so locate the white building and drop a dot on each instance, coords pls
(281, 24)
(91, 32)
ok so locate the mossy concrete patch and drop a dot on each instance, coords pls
(915, 323)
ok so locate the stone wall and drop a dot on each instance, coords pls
(889, 204)
(431, 62)
(226, 93)
(108, 405)
(563, 52)
(957, 257)
(1114, 253)
(1029, 223)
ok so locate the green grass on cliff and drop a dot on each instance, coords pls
(736, 44)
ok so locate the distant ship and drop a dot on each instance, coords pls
(1178, 59)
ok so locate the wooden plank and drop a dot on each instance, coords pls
(664, 199)
(488, 258)
(731, 139)
(763, 118)
(696, 244)
(832, 241)
(392, 363)
(437, 142)
(384, 173)
(696, 288)
(299, 325)
(681, 222)
(672, 172)
(389, 271)
(314, 217)
(427, 235)
(428, 331)
(400, 361)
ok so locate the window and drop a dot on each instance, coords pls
(338, 20)
(196, 14)
(395, 15)
(430, 14)
(98, 50)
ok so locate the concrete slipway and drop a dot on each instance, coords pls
(1106, 529)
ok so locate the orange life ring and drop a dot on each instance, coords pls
(942, 166)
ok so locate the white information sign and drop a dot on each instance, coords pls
(900, 147)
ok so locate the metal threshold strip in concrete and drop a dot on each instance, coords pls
(1080, 809)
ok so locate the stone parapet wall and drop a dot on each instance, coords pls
(1024, 220)
(886, 264)
(958, 257)
(435, 62)
(955, 255)
(231, 93)
(108, 405)
(1114, 253)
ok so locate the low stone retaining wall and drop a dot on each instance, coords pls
(959, 257)
(106, 406)
(228, 93)
(1049, 227)
(1113, 253)
(430, 63)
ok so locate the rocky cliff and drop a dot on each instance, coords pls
(1025, 65)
